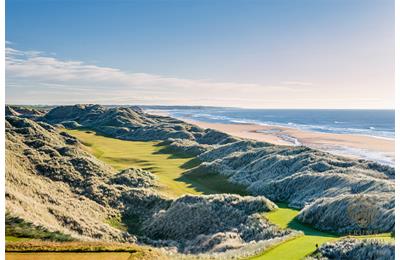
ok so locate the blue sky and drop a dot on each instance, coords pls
(298, 53)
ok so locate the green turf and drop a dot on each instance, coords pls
(302, 246)
(170, 169)
(117, 223)
(16, 239)
(16, 229)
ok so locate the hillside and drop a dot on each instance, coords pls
(355, 249)
(53, 184)
(359, 194)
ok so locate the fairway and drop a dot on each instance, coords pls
(299, 247)
(170, 168)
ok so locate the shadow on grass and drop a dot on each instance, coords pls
(172, 153)
(211, 183)
(200, 181)
(308, 230)
(125, 160)
(132, 223)
(191, 164)
(17, 229)
(297, 225)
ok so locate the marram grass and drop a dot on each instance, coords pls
(170, 169)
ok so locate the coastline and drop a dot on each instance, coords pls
(381, 150)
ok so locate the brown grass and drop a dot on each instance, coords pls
(47, 246)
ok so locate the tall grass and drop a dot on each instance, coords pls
(18, 229)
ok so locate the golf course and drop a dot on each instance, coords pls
(170, 168)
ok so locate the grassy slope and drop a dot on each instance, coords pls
(169, 169)
(302, 246)
(298, 247)
(146, 155)
(18, 230)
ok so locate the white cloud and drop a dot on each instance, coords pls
(35, 77)
(296, 83)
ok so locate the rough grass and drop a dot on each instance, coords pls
(78, 246)
(74, 256)
(135, 251)
(300, 247)
(356, 249)
(169, 168)
(210, 183)
(117, 223)
(20, 230)
(16, 239)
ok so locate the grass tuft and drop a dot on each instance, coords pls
(20, 230)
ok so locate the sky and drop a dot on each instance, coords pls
(239, 53)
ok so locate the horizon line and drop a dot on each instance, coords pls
(200, 106)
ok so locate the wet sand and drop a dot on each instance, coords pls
(355, 146)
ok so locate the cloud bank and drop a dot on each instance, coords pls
(34, 77)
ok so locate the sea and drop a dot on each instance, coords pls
(376, 123)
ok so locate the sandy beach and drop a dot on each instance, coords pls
(355, 146)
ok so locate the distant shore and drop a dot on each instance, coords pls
(351, 145)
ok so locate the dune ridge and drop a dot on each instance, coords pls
(52, 182)
(298, 175)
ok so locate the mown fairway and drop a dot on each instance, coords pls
(169, 170)
(299, 247)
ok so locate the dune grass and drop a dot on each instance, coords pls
(17, 230)
(170, 168)
(300, 247)
(77, 246)
(80, 250)
(117, 223)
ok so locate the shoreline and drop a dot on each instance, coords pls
(377, 149)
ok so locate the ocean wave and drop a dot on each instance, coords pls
(215, 117)
(209, 117)
(361, 153)
(341, 130)
(294, 141)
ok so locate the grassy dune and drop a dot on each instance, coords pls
(18, 230)
(302, 246)
(169, 170)
(298, 247)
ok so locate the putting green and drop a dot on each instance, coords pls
(170, 169)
